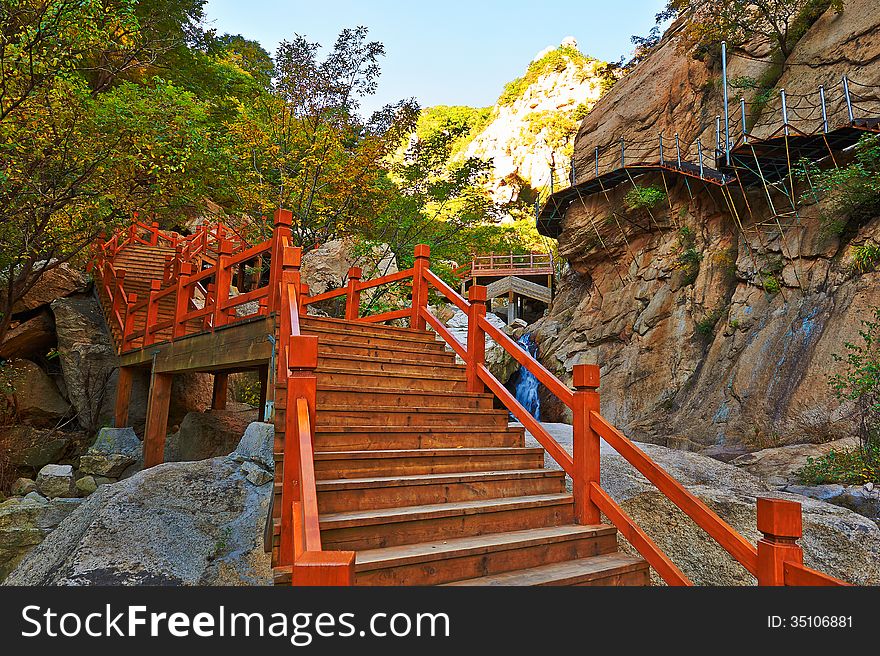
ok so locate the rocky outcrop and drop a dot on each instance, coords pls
(55, 481)
(836, 541)
(696, 349)
(29, 338)
(194, 523)
(326, 268)
(59, 281)
(114, 451)
(37, 400)
(29, 448)
(778, 466)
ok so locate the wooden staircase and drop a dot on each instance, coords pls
(429, 484)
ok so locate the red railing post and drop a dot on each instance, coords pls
(476, 339)
(152, 312)
(302, 360)
(303, 295)
(353, 294)
(154, 234)
(181, 304)
(420, 286)
(782, 525)
(128, 326)
(222, 281)
(118, 280)
(283, 221)
(585, 448)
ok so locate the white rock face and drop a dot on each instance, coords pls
(517, 154)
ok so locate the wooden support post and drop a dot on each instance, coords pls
(221, 390)
(324, 568)
(586, 442)
(420, 286)
(123, 396)
(476, 341)
(353, 294)
(511, 307)
(782, 525)
(152, 312)
(283, 221)
(181, 303)
(302, 360)
(157, 419)
(264, 392)
(222, 283)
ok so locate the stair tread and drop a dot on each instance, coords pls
(327, 387)
(437, 510)
(429, 479)
(565, 572)
(413, 453)
(433, 428)
(420, 552)
(429, 409)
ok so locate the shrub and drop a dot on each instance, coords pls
(865, 256)
(689, 257)
(852, 192)
(770, 283)
(847, 467)
(859, 382)
(640, 197)
(706, 326)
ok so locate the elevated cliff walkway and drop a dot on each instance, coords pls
(395, 461)
(803, 133)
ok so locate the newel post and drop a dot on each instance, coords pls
(282, 223)
(222, 282)
(420, 286)
(302, 360)
(152, 312)
(154, 233)
(181, 304)
(476, 339)
(782, 525)
(353, 294)
(585, 450)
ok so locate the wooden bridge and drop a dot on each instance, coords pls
(517, 276)
(394, 464)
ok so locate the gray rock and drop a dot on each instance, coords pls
(56, 481)
(86, 485)
(858, 499)
(118, 440)
(258, 444)
(37, 399)
(23, 486)
(105, 464)
(778, 466)
(25, 522)
(836, 540)
(821, 492)
(256, 474)
(36, 497)
(207, 434)
(31, 448)
(195, 523)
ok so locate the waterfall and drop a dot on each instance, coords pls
(524, 382)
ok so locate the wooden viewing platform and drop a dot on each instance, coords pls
(395, 463)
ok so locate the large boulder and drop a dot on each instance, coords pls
(778, 466)
(24, 523)
(30, 448)
(114, 450)
(193, 523)
(30, 338)
(37, 400)
(59, 281)
(836, 541)
(208, 434)
(88, 358)
(326, 267)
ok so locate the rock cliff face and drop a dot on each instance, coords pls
(712, 357)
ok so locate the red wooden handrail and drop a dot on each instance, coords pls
(796, 574)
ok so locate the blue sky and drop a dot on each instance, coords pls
(449, 52)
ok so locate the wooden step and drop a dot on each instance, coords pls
(604, 569)
(388, 527)
(368, 438)
(384, 417)
(340, 347)
(340, 495)
(346, 327)
(403, 382)
(404, 462)
(449, 371)
(443, 561)
(331, 395)
(379, 340)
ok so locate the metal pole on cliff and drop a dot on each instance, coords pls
(662, 161)
(726, 112)
(849, 107)
(742, 111)
(597, 161)
(677, 150)
(700, 154)
(784, 111)
(824, 109)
